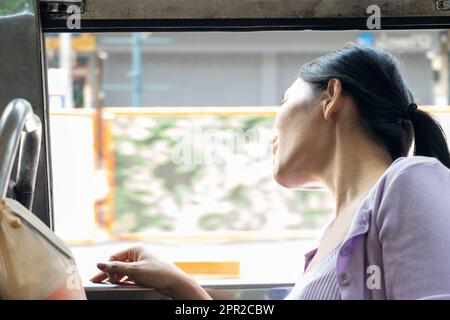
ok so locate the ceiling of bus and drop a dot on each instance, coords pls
(250, 9)
(107, 12)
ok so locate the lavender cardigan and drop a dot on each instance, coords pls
(398, 246)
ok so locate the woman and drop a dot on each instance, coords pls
(348, 122)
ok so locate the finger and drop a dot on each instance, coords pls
(123, 256)
(111, 276)
(116, 268)
(119, 256)
(127, 281)
(116, 278)
(99, 277)
(129, 254)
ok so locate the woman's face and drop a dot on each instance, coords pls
(302, 137)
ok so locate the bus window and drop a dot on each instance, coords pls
(163, 138)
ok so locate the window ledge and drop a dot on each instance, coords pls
(220, 290)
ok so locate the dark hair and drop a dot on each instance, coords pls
(373, 78)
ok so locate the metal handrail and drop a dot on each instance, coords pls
(19, 124)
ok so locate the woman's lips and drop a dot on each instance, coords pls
(274, 148)
(274, 145)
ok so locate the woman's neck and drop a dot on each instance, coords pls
(353, 171)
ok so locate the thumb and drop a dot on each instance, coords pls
(115, 267)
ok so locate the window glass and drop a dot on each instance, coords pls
(163, 138)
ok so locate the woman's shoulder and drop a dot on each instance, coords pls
(410, 179)
(413, 193)
(407, 163)
(414, 169)
(410, 223)
(412, 186)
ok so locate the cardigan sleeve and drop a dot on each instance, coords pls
(414, 231)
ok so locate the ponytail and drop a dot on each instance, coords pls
(429, 137)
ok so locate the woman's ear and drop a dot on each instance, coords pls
(332, 101)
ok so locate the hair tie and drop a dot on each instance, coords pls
(410, 110)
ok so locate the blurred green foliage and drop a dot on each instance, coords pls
(8, 7)
(153, 192)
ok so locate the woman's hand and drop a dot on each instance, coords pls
(138, 266)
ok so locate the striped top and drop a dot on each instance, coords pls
(320, 281)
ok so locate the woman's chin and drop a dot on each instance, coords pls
(284, 181)
(281, 182)
(288, 183)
